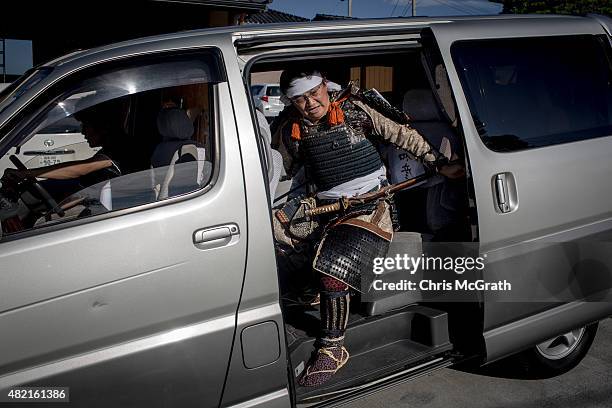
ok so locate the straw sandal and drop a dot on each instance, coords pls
(324, 366)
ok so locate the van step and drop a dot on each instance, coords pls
(379, 346)
(420, 324)
(348, 394)
(367, 367)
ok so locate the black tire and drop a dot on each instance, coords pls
(558, 355)
(536, 363)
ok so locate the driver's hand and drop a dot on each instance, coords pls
(13, 176)
(11, 179)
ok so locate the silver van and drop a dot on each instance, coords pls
(161, 285)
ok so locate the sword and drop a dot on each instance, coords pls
(346, 202)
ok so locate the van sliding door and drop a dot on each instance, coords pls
(536, 112)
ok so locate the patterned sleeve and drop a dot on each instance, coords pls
(400, 135)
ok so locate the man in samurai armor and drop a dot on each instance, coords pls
(333, 134)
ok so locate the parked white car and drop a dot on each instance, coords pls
(59, 143)
(267, 98)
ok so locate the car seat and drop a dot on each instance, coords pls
(178, 163)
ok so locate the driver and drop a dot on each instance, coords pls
(65, 178)
(98, 132)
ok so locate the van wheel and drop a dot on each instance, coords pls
(548, 359)
(561, 353)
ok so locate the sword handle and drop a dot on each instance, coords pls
(323, 209)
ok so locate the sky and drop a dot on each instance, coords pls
(18, 55)
(386, 8)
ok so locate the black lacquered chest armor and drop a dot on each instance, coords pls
(337, 154)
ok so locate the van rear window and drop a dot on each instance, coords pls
(535, 92)
(273, 91)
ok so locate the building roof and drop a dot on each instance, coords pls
(328, 17)
(274, 16)
(240, 4)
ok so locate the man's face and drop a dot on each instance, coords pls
(92, 134)
(313, 105)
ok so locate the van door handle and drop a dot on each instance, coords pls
(223, 235)
(501, 192)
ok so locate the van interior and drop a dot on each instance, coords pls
(135, 140)
(397, 335)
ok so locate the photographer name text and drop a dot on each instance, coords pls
(429, 285)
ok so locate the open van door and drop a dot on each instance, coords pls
(537, 119)
(130, 300)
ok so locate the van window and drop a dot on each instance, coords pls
(373, 76)
(273, 91)
(119, 138)
(534, 92)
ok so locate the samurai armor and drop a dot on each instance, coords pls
(376, 101)
(337, 155)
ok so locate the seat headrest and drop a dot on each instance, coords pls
(174, 124)
(419, 104)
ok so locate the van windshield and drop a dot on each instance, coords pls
(21, 86)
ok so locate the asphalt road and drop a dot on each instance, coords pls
(588, 385)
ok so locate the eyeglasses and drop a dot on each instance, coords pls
(313, 93)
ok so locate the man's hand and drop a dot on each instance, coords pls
(10, 181)
(12, 177)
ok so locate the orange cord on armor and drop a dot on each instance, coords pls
(335, 116)
(295, 131)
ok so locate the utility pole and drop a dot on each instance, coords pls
(413, 8)
(350, 7)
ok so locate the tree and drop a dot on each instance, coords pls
(579, 7)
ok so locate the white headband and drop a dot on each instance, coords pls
(300, 86)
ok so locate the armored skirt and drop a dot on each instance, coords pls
(350, 243)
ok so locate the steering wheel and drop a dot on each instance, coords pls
(34, 187)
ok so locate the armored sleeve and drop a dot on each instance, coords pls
(400, 135)
(291, 159)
